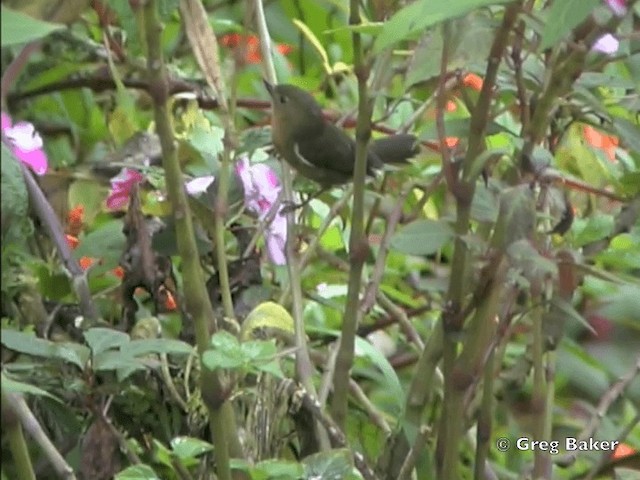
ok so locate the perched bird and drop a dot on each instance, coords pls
(320, 150)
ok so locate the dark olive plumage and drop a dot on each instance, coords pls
(318, 149)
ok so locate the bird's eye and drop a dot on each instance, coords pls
(283, 99)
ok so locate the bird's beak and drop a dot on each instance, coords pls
(270, 88)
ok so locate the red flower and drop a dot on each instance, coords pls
(473, 81)
(86, 262)
(250, 44)
(72, 241)
(597, 139)
(118, 272)
(622, 450)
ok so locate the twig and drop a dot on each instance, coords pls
(52, 225)
(414, 453)
(31, 425)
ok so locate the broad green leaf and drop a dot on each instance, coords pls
(11, 385)
(422, 237)
(277, 469)
(27, 343)
(516, 217)
(136, 348)
(585, 371)
(592, 229)
(623, 306)
(330, 464)
(470, 40)
(73, 353)
(422, 14)
(225, 352)
(18, 28)
(629, 133)
(137, 472)
(270, 316)
(484, 206)
(562, 17)
(272, 368)
(102, 339)
(392, 383)
(14, 192)
(189, 447)
(106, 242)
(114, 360)
(257, 350)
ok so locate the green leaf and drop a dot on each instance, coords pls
(73, 353)
(331, 464)
(623, 306)
(10, 385)
(102, 339)
(277, 470)
(29, 344)
(18, 28)
(272, 368)
(391, 381)
(14, 192)
(516, 217)
(418, 16)
(225, 352)
(629, 133)
(137, 472)
(592, 229)
(114, 360)
(136, 348)
(189, 447)
(422, 237)
(106, 242)
(270, 316)
(562, 17)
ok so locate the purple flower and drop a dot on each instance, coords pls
(261, 190)
(121, 185)
(607, 44)
(618, 7)
(25, 144)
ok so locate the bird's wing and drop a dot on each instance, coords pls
(332, 150)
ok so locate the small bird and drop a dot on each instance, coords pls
(320, 150)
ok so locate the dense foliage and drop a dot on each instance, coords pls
(178, 304)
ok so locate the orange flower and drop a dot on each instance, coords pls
(451, 106)
(621, 451)
(72, 241)
(251, 44)
(86, 262)
(118, 272)
(472, 80)
(75, 218)
(451, 141)
(597, 139)
(170, 302)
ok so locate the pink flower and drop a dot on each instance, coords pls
(25, 144)
(618, 7)
(607, 44)
(121, 186)
(261, 189)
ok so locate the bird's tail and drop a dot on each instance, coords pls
(395, 148)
